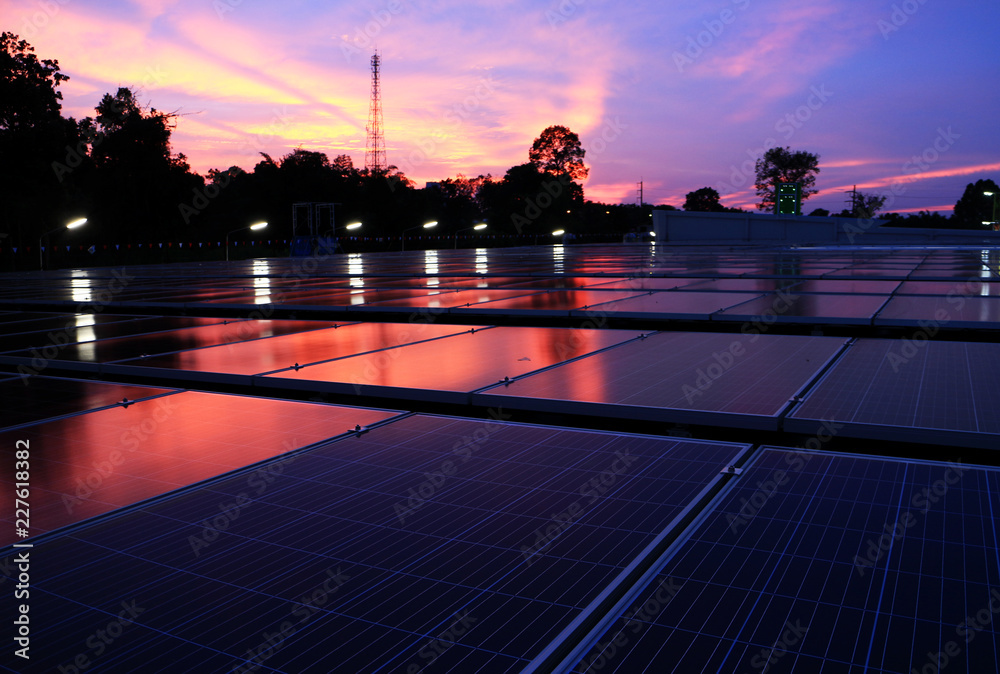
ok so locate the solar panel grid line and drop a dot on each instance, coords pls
(321, 326)
(629, 584)
(574, 359)
(382, 349)
(110, 476)
(875, 526)
(513, 569)
(153, 396)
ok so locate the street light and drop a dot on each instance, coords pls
(73, 224)
(479, 227)
(254, 227)
(426, 225)
(559, 232)
(353, 225)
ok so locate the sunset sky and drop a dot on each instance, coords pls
(899, 95)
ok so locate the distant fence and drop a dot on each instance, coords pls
(683, 227)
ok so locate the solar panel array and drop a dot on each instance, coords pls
(232, 450)
(825, 563)
(431, 541)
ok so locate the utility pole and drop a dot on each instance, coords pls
(853, 201)
(641, 200)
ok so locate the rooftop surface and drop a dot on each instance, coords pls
(627, 458)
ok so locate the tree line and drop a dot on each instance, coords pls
(118, 169)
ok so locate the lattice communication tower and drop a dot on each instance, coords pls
(375, 148)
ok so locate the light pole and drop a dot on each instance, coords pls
(73, 224)
(480, 227)
(426, 225)
(994, 195)
(254, 227)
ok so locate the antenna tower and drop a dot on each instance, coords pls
(375, 148)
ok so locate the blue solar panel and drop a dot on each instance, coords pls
(881, 386)
(428, 544)
(826, 563)
(691, 377)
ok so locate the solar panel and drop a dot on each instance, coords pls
(902, 389)
(89, 464)
(558, 302)
(103, 350)
(462, 363)
(825, 563)
(685, 377)
(276, 353)
(956, 310)
(799, 307)
(679, 304)
(30, 399)
(428, 544)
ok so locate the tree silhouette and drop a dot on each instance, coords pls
(34, 140)
(138, 186)
(974, 207)
(704, 199)
(781, 165)
(863, 205)
(557, 151)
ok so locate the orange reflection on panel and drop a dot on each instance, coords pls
(276, 353)
(465, 362)
(93, 463)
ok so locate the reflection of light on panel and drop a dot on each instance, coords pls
(356, 268)
(987, 272)
(261, 282)
(85, 334)
(559, 256)
(431, 266)
(482, 260)
(80, 287)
